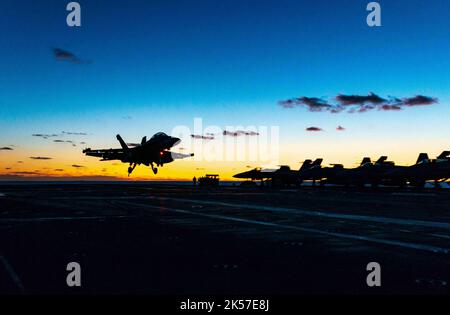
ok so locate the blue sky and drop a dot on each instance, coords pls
(165, 62)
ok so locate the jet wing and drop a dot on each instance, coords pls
(105, 154)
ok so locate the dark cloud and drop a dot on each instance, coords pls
(240, 133)
(372, 98)
(45, 136)
(26, 173)
(74, 133)
(7, 168)
(419, 100)
(314, 129)
(390, 107)
(340, 128)
(202, 137)
(78, 166)
(40, 158)
(358, 103)
(313, 104)
(6, 149)
(58, 170)
(64, 55)
(20, 162)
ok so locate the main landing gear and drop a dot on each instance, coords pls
(131, 168)
(154, 169)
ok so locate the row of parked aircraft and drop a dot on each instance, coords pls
(381, 172)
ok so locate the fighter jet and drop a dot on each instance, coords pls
(283, 176)
(425, 169)
(151, 152)
(318, 173)
(354, 176)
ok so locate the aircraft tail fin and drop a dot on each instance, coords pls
(381, 160)
(422, 157)
(317, 162)
(366, 160)
(443, 155)
(305, 165)
(122, 143)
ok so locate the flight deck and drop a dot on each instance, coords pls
(157, 239)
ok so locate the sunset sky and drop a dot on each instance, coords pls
(140, 67)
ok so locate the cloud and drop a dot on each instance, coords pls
(77, 166)
(26, 173)
(45, 136)
(371, 98)
(357, 103)
(390, 107)
(6, 149)
(202, 137)
(7, 168)
(74, 133)
(64, 55)
(58, 170)
(313, 104)
(314, 129)
(240, 133)
(40, 158)
(65, 141)
(127, 117)
(419, 100)
(340, 128)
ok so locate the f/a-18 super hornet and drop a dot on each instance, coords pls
(316, 172)
(425, 169)
(366, 172)
(149, 152)
(283, 176)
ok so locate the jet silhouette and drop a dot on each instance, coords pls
(283, 176)
(151, 152)
(424, 170)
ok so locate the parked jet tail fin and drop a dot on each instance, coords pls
(443, 155)
(422, 157)
(122, 143)
(305, 165)
(144, 140)
(317, 162)
(382, 159)
(366, 160)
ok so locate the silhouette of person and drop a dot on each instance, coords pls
(194, 181)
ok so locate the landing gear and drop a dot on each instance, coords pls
(154, 169)
(131, 168)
